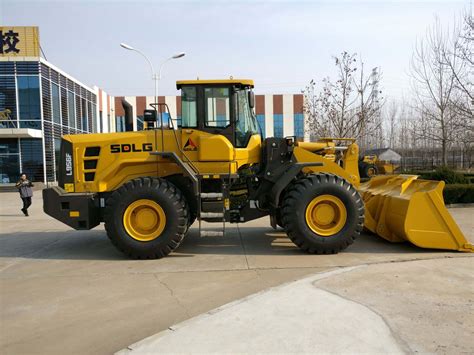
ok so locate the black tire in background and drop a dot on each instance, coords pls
(302, 193)
(367, 170)
(167, 196)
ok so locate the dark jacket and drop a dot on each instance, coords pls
(24, 187)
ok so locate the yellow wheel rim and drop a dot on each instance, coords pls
(370, 172)
(326, 215)
(144, 220)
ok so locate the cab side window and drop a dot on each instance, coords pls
(246, 124)
(217, 107)
(188, 107)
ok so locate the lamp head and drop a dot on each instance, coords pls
(126, 46)
(179, 55)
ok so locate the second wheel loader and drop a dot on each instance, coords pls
(149, 186)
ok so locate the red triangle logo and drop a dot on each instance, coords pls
(190, 145)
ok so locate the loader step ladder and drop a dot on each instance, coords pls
(213, 203)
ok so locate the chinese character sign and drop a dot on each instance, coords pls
(19, 41)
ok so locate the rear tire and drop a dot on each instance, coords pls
(367, 170)
(322, 214)
(146, 218)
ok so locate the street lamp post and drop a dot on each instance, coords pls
(154, 76)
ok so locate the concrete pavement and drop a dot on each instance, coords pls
(422, 306)
(57, 283)
(295, 318)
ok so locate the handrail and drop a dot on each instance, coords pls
(178, 145)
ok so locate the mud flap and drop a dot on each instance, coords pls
(402, 208)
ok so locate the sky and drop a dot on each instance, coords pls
(281, 45)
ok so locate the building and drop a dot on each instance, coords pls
(277, 115)
(39, 103)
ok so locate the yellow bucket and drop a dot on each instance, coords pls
(404, 208)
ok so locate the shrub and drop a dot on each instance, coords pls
(458, 193)
(449, 176)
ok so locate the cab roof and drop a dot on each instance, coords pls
(241, 82)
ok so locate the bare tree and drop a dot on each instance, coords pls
(434, 85)
(369, 118)
(464, 53)
(392, 120)
(347, 107)
(463, 98)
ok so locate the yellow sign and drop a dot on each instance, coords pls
(5, 115)
(19, 41)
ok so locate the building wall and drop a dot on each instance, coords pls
(104, 111)
(38, 104)
(278, 115)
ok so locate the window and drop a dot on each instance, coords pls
(32, 158)
(9, 160)
(9, 168)
(101, 123)
(57, 156)
(7, 99)
(55, 104)
(299, 125)
(72, 109)
(278, 125)
(27, 68)
(78, 113)
(92, 120)
(140, 123)
(84, 125)
(29, 101)
(64, 107)
(46, 97)
(120, 124)
(188, 107)
(246, 124)
(217, 104)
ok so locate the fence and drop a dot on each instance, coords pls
(422, 160)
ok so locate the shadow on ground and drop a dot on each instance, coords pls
(94, 245)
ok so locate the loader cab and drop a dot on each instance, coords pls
(219, 107)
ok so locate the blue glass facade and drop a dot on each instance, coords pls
(8, 110)
(35, 96)
(299, 125)
(120, 124)
(9, 160)
(278, 125)
(56, 106)
(32, 158)
(29, 101)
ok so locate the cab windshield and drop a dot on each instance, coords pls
(246, 122)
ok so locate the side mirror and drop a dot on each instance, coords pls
(251, 99)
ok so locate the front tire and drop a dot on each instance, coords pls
(146, 218)
(322, 214)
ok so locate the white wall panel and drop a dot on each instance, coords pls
(288, 116)
(268, 116)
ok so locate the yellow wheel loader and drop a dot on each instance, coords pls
(149, 186)
(371, 165)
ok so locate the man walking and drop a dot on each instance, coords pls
(24, 187)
